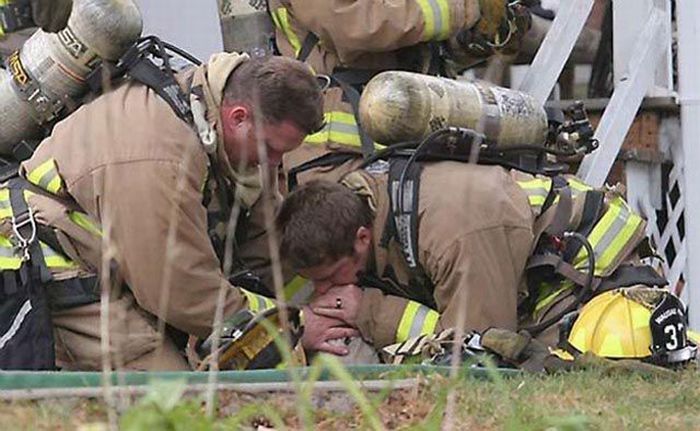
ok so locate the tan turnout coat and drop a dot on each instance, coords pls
(361, 34)
(474, 237)
(138, 171)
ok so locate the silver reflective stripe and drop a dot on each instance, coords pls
(437, 16)
(302, 296)
(337, 126)
(48, 251)
(261, 303)
(7, 336)
(46, 179)
(418, 322)
(7, 252)
(611, 233)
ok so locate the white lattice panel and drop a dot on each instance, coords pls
(656, 192)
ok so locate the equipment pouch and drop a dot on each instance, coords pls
(26, 331)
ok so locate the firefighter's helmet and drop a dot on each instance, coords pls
(631, 323)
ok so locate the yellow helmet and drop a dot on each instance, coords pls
(631, 323)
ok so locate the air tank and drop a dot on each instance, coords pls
(400, 106)
(49, 71)
(247, 27)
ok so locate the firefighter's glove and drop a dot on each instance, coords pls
(516, 348)
(51, 15)
(500, 29)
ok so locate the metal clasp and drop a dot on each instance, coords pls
(17, 224)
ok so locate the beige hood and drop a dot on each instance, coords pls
(212, 77)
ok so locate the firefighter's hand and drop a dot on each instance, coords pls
(319, 331)
(339, 302)
(51, 15)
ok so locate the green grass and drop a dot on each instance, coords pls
(571, 401)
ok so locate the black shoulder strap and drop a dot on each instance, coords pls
(164, 84)
(404, 188)
(137, 63)
(353, 97)
(309, 43)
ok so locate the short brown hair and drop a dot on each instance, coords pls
(285, 89)
(318, 223)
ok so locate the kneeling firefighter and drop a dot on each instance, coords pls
(130, 193)
(576, 242)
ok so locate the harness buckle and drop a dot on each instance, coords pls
(19, 222)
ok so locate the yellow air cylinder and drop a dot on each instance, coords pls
(399, 107)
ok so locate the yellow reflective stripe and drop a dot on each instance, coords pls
(341, 127)
(436, 14)
(610, 250)
(406, 321)
(55, 260)
(430, 323)
(610, 235)
(281, 19)
(550, 297)
(298, 291)
(83, 221)
(46, 176)
(416, 320)
(578, 185)
(5, 207)
(2, 30)
(257, 303)
(8, 259)
(537, 190)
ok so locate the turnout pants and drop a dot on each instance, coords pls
(134, 342)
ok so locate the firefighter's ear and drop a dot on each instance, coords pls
(363, 240)
(234, 115)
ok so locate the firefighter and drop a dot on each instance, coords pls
(508, 249)
(127, 189)
(352, 41)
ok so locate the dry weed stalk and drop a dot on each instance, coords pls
(448, 423)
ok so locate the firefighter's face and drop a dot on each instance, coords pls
(342, 271)
(242, 136)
